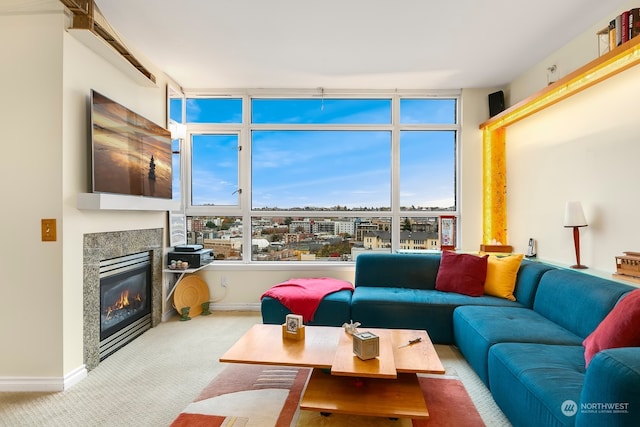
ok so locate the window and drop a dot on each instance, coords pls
(319, 177)
(427, 170)
(222, 234)
(321, 111)
(419, 233)
(214, 169)
(321, 170)
(428, 111)
(214, 110)
(175, 102)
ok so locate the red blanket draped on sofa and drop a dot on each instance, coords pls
(302, 296)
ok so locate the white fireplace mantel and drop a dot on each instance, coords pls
(107, 201)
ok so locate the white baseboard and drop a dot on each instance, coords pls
(169, 314)
(236, 307)
(43, 384)
(75, 376)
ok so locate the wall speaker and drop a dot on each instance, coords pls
(496, 103)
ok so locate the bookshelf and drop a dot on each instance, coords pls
(617, 60)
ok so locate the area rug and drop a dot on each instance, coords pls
(266, 396)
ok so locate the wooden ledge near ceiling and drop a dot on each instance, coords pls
(617, 60)
(77, 6)
(88, 18)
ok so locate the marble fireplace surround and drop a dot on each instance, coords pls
(100, 246)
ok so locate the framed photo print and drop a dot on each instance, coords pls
(447, 229)
(294, 322)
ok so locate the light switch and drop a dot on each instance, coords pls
(49, 230)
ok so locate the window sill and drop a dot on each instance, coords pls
(278, 266)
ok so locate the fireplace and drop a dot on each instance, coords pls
(125, 300)
(98, 247)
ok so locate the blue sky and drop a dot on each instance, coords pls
(324, 168)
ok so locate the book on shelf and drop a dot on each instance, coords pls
(634, 22)
(624, 26)
(620, 30)
(612, 34)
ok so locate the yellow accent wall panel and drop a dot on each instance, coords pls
(494, 173)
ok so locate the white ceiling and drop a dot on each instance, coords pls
(350, 44)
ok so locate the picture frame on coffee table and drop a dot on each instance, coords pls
(293, 328)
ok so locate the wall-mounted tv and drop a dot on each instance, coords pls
(129, 154)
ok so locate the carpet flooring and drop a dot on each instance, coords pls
(152, 379)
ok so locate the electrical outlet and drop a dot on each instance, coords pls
(224, 282)
(48, 230)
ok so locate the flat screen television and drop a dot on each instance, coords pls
(129, 154)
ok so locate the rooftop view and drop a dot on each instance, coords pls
(309, 239)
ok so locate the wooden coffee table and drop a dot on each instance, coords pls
(340, 382)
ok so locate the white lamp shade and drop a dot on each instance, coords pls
(574, 216)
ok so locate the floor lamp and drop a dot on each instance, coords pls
(574, 217)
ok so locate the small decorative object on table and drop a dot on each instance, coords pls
(351, 327)
(411, 342)
(293, 327)
(495, 246)
(178, 265)
(184, 313)
(531, 249)
(205, 308)
(366, 345)
(628, 266)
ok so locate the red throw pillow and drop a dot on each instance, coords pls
(621, 327)
(462, 273)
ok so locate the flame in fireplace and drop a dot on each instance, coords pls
(122, 303)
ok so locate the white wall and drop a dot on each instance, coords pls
(246, 284)
(584, 148)
(475, 110)
(46, 79)
(30, 172)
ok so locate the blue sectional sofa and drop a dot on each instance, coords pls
(528, 352)
(398, 291)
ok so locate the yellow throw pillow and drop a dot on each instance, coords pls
(501, 275)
